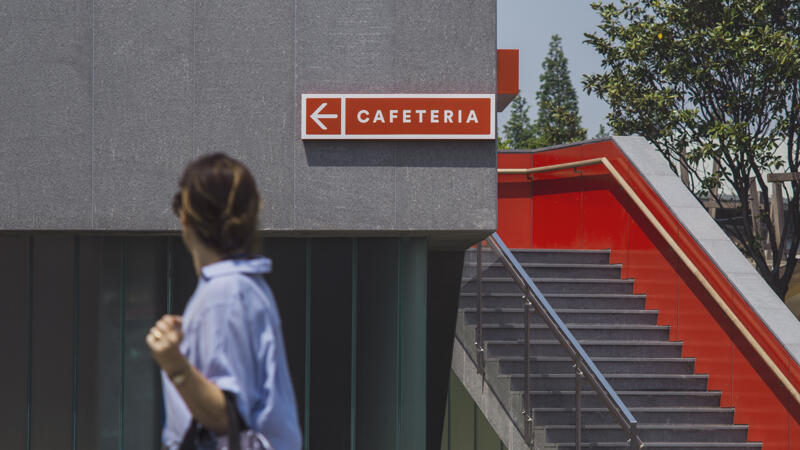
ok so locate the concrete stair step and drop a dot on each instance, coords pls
(618, 381)
(644, 415)
(540, 331)
(676, 366)
(511, 316)
(552, 285)
(573, 301)
(595, 348)
(651, 432)
(546, 270)
(632, 399)
(549, 256)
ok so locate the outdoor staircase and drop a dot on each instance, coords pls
(671, 402)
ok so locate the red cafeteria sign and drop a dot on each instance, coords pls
(398, 116)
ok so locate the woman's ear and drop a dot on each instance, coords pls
(186, 231)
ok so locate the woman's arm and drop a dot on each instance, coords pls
(204, 399)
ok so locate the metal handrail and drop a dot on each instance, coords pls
(773, 366)
(584, 366)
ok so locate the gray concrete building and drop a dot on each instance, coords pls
(103, 102)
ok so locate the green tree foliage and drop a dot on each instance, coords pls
(558, 120)
(713, 85)
(517, 130)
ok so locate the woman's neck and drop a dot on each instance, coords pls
(203, 256)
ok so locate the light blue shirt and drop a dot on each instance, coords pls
(232, 335)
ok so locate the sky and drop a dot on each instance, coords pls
(528, 26)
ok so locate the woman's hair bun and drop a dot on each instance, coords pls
(221, 202)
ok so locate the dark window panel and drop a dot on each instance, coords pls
(413, 275)
(52, 352)
(444, 286)
(145, 302)
(376, 399)
(89, 364)
(331, 297)
(14, 334)
(99, 343)
(288, 284)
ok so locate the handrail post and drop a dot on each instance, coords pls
(634, 433)
(527, 416)
(578, 400)
(479, 307)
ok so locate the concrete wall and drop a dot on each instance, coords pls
(102, 103)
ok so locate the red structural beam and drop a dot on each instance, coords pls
(507, 76)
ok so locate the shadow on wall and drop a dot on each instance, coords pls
(466, 154)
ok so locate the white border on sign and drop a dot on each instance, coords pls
(303, 134)
(394, 137)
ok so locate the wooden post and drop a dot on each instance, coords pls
(684, 170)
(776, 202)
(755, 212)
(776, 211)
(755, 207)
(713, 209)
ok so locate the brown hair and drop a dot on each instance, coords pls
(220, 199)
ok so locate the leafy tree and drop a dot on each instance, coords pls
(517, 130)
(558, 120)
(714, 85)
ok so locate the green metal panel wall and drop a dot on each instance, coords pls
(78, 375)
(465, 427)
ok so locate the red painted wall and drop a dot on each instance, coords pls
(584, 208)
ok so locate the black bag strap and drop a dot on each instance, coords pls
(235, 427)
(234, 422)
(190, 438)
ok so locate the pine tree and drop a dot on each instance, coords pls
(601, 133)
(517, 131)
(558, 121)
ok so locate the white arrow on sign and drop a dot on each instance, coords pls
(315, 116)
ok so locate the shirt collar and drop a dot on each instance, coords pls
(257, 265)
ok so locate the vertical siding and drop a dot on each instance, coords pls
(145, 301)
(76, 308)
(288, 282)
(52, 370)
(412, 355)
(14, 334)
(329, 418)
(376, 410)
(89, 393)
(79, 375)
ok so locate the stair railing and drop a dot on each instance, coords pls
(479, 348)
(584, 366)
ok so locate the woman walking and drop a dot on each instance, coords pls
(223, 363)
